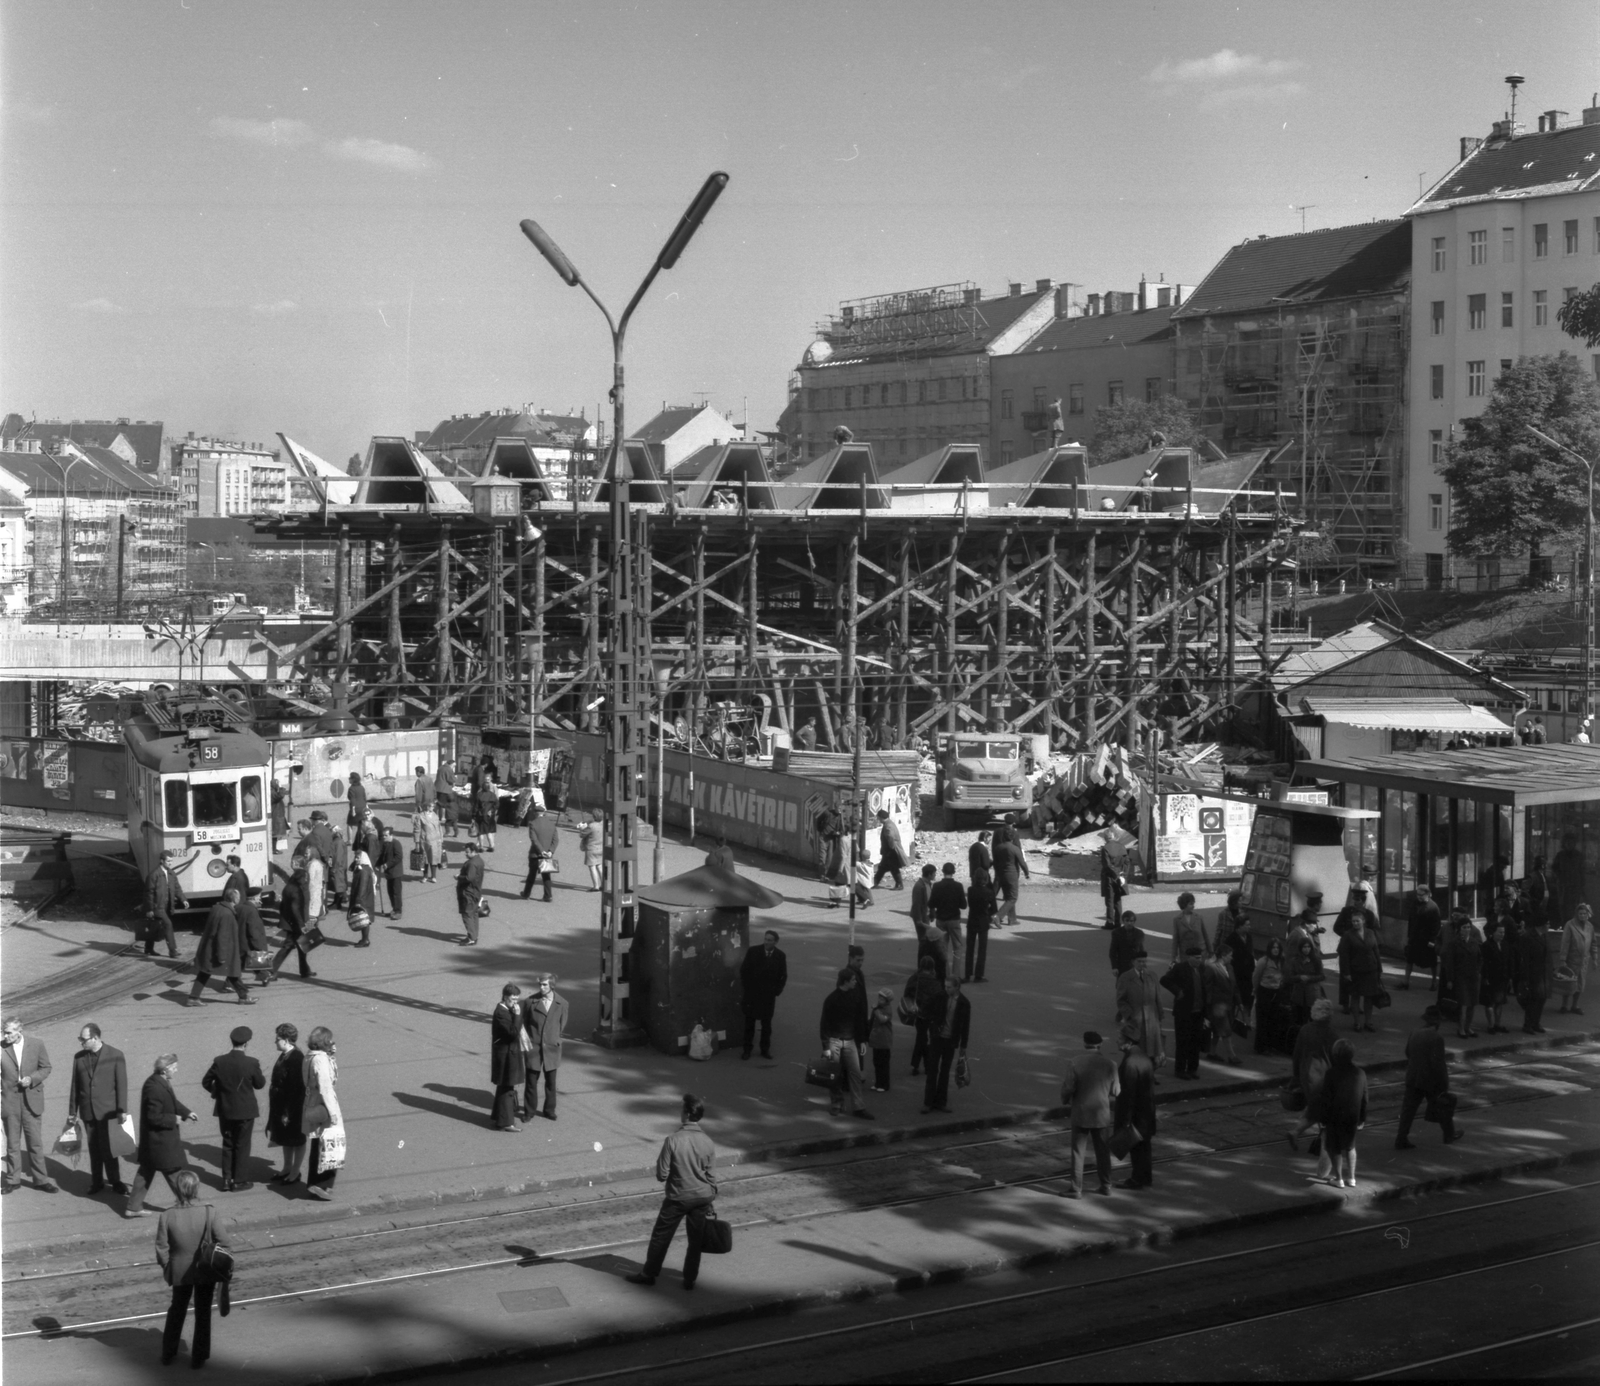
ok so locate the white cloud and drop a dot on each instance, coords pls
(400, 157)
(1223, 66)
(99, 305)
(274, 310)
(273, 134)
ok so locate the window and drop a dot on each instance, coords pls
(1038, 399)
(1595, 361)
(250, 798)
(1152, 389)
(1505, 365)
(1569, 237)
(1436, 447)
(1597, 235)
(849, 396)
(177, 804)
(1437, 391)
(1541, 308)
(1567, 295)
(1437, 318)
(1478, 247)
(1506, 315)
(1114, 393)
(902, 392)
(1006, 404)
(1508, 245)
(213, 805)
(1541, 240)
(1436, 511)
(1477, 312)
(883, 394)
(922, 392)
(1476, 376)
(941, 390)
(1074, 399)
(1438, 254)
(1005, 451)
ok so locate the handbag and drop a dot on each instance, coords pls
(717, 1237)
(416, 858)
(1124, 1138)
(963, 1071)
(1382, 1001)
(1448, 1007)
(483, 907)
(258, 959)
(120, 1135)
(548, 864)
(358, 919)
(1441, 1107)
(823, 1071)
(907, 1011)
(71, 1141)
(213, 1263)
(311, 938)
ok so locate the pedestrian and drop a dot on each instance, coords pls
(1572, 966)
(880, 1035)
(1220, 997)
(1538, 890)
(319, 836)
(843, 1033)
(1139, 1010)
(1422, 937)
(469, 891)
(485, 812)
(1495, 985)
(1267, 983)
(339, 870)
(280, 817)
(1090, 1088)
(1427, 1082)
(1010, 869)
(1356, 907)
(1535, 973)
(922, 990)
(1127, 941)
(1303, 979)
(321, 1118)
(1313, 1052)
(980, 860)
(1230, 919)
(721, 856)
(293, 918)
(221, 949)
(1344, 1112)
(232, 1080)
(355, 798)
(949, 1028)
(830, 846)
(806, 738)
(921, 916)
(863, 877)
(253, 935)
(891, 852)
(685, 1167)
(422, 791)
(444, 786)
(160, 1146)
(947, 898)
(391, 865)
(544, 1019)
(544, 837)
(179, 1233)
(237, 879)
(1460, 969)
(507, 1058)
(980, 913)
(363, 897)
(1360, 959)
(163, 893)
(1186, 981)
(286, 1103)
(1136, 1113)
(1188, 930)
(1241, 946)
(428, 834)
(590, 845)
(1113, 886)
(762, 976)
(98, 1096)
(371, 842)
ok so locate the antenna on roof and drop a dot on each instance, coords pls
(1514, 80)
(1302, 208)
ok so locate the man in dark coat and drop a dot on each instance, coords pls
(220, 950)
(891, 851)
(356, 800)
(1136, 1107)
(980, 914)
(949, 1027)
(98, 1096)
(320, 836)
(1113, 887)
(253, 930)
(160, 1147)
(339, 868)
(294, 920)
(1186, 982)
(830, 846)
(469, 890)
(1427, 1082)
(232, 1080)
(764, 973)
(445, 794)
(1127, 942)
(391, 866)
(544, 838)
(1533, 973)
(163, 894)
(544, 1017)
(507, 1068)
(237, 880)
(1422, 937)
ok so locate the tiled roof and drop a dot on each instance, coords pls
(1115, 329)
(144, 437)
(103, 472)
(1334, 651)
(1275, 271)
(1552, 161)
(480, 430)
(666, 423)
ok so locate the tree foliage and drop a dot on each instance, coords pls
(1509, 491)
(1579, 316)
(1121, 430)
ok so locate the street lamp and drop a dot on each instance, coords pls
(126, 528)
(66, 523)
(1588, 563)
(626, 699)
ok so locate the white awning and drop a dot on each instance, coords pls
(1407, 714)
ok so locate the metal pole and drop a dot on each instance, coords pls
(856, 815)
(1588, 602)
(658, 857)
(122, 539)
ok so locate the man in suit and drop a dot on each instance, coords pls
(98, 1096)
(1127, 940)
(392, 867)
(764, 973)
(1186, 981)
(1136, 1106)
(507, 1068)
(949, 1027)
(1139, 1011)
(24, 1066)
(162, 895)
(891, 851)
(469, 890)
(1427, 1082)
(232, 1080)
(544, 1016)
(422, 791)
(237, 880)
(1090, 1087)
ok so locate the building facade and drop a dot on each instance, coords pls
(460, 445)
(220, 478)
(1497, 245)
(680, 431)
(140, 443)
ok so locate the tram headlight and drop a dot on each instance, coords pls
(217, 867)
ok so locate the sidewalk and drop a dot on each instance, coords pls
(410, 1016)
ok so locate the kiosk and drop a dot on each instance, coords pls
(1299, 856)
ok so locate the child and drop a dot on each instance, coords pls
(881, 1037)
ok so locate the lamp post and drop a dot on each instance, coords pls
(125, 528)
(66, 524)
(626, 701)
(1588, 569)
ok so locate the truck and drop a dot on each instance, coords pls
(982, 773)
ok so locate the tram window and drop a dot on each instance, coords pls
(213, 805)
(250, 798)
(177, 798)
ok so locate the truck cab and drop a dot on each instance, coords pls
(982, 773)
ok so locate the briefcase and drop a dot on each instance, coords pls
(823, 1071)
(718, 1237)
(1124, 1138)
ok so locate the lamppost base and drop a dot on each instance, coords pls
(630, 1038)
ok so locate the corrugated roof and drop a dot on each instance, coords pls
(1551, 161)
(1312, 266)
(1517, 775)
(1334, 651)
(1406, 714)
(1110, 329)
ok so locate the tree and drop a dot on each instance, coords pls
(1121, 430)
(1579, 316)
(1509, 491)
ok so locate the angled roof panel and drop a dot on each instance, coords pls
(833, 481)
(731, 469)
(1538, 165)
(1276, 271)
(397, 473)
(1040, 479)
(645, 486)
(332, 483)
(515, 457)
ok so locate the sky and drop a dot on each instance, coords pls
(245, 218)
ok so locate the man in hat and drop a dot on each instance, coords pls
(544, 1017)
(543, 839)
(763, 974)
(98, 1095)
(391, 866)
(163, 893)
(469, 890)
(891, 851)
(1186, 981)
(1136, 1109)
(232, 1080)
(1427, 1082)
(1090, 1087)
(507, 1063)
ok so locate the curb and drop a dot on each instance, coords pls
(970, 1270)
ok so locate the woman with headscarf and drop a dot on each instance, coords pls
(321, 1118)
(1572, 964)
(1498, 962)
(1360, 959)
(1304, 977)
(363, 896)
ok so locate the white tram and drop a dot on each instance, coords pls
(199, 785)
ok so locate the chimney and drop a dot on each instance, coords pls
(1143, 299)
(1091, 306)
(1043, 286)
(1591, 112)
(1016, 289)
(1552, 120)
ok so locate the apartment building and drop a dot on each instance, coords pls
(220, 478)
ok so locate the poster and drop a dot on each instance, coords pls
(54, 765)
(1199, 837)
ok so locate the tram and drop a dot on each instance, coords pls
(198, 784)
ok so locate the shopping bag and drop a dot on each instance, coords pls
(963, 1071)
(1124, 1138)
(702, 1043)
(332, 1154)
(717, 1239)
(71, 1141)
(258, 959)
(1293, 1099)
(416, 858)
(124, 1144)
(1382, 1001)
(358, 919)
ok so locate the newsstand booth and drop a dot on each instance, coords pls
(691, 935)
(1300, 856)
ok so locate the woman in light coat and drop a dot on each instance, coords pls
(321, 1118)
(429, 835)
(1139, 1012)
(1577, 952)
(593, 858)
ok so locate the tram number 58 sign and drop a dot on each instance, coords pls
(211, 753)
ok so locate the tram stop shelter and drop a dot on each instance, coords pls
(1445, 816)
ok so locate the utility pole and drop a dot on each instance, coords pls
(1588, 561)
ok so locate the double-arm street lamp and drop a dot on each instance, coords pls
(1588, 572)
(626, 699)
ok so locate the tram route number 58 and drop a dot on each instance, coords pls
(211, 753)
